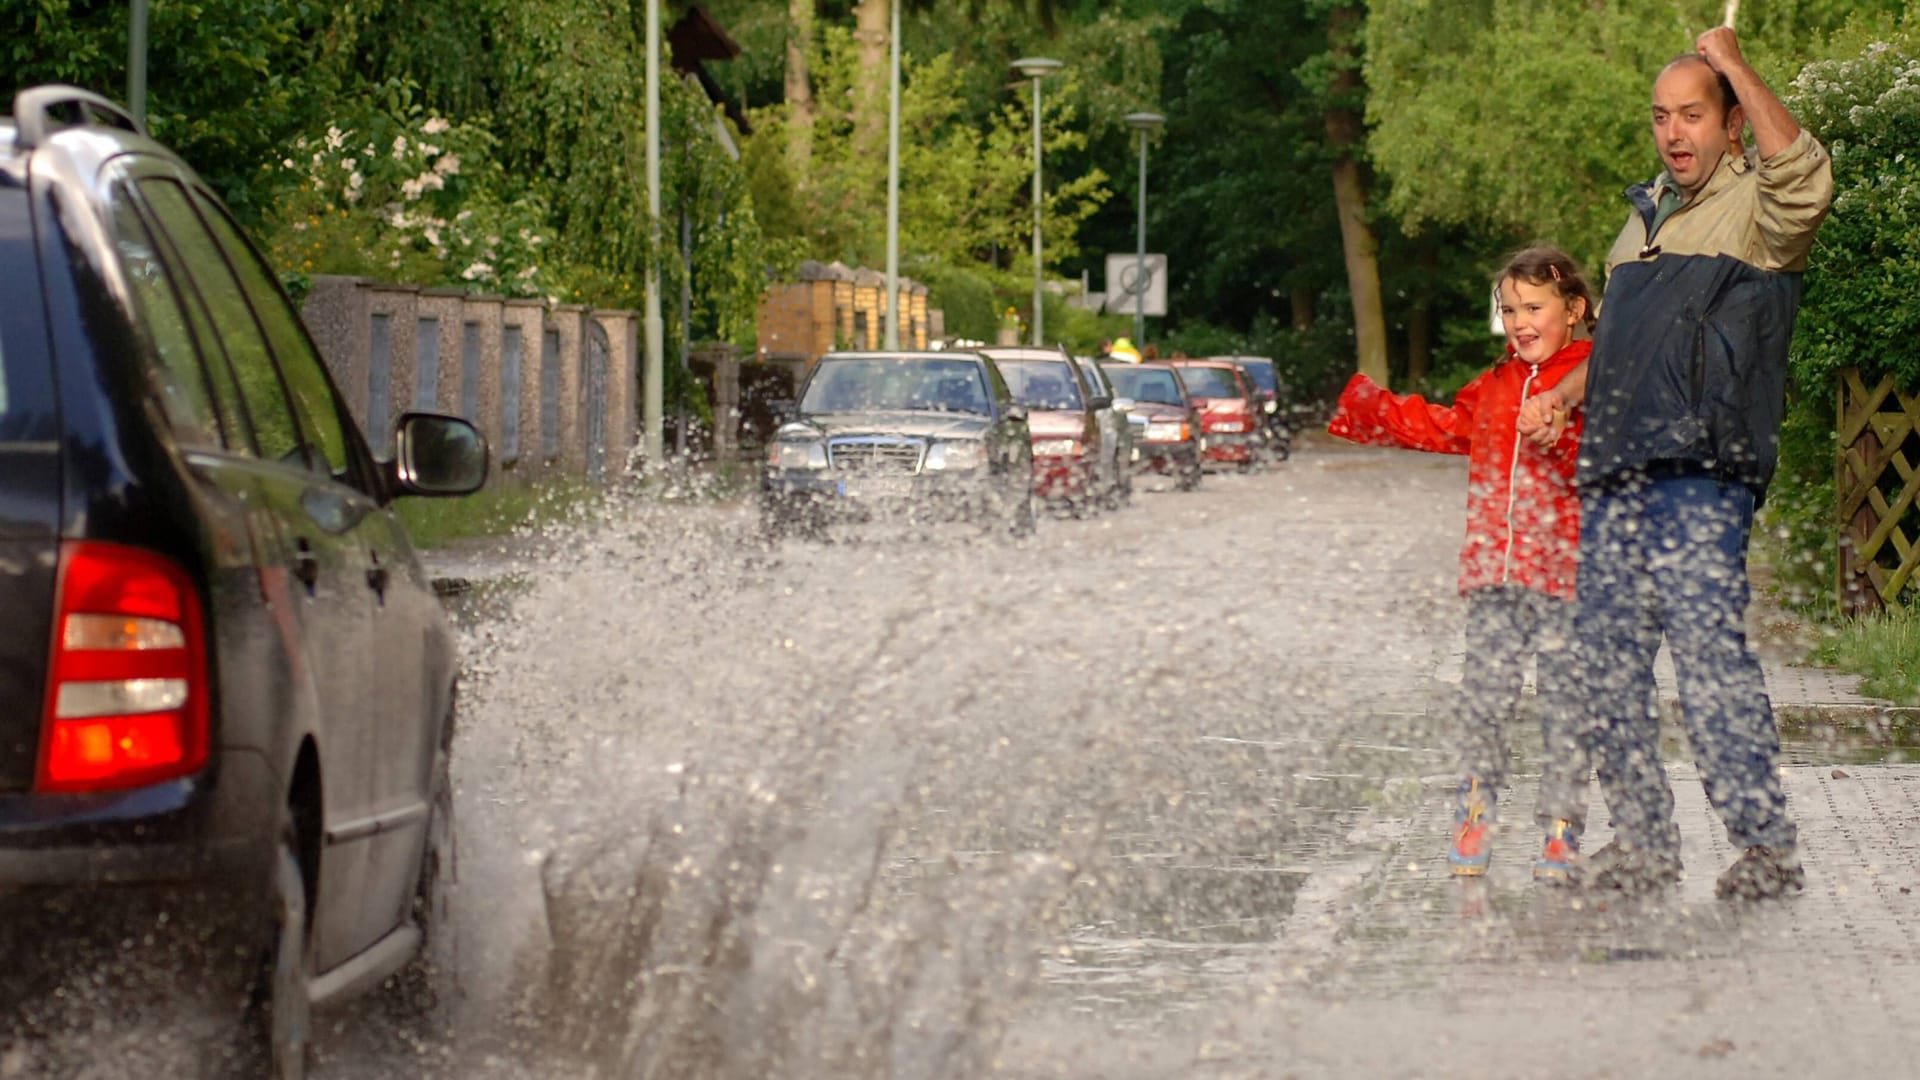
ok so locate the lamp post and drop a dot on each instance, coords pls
(892, 336)
(137, 62)
(1145, 123)
(653, 326)
(1037, 68)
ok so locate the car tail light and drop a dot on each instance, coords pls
(127, 693)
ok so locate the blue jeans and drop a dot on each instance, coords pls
(1667, 554)
(1505, 625)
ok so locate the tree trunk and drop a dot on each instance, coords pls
(1420, 318)
(800, 108)
(1301, 297)
(871, 21)
(1420, 341)
(1357, 241)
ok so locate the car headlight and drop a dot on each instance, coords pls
(1167, 431)
(1056, 448)
(956, 455)
(797, 455)
(1273, 406)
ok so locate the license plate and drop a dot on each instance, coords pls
(877, 487)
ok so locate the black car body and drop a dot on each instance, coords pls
(1073, 465)
(1273, 402)
(933, 434)
(1167, 438)
(221, 662)
(1117, 429)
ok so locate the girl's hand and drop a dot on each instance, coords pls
(1543, 418)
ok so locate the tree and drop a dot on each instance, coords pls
(1345, 94)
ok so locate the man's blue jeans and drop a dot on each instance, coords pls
(1667, 554)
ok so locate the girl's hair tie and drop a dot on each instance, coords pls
(1554, 270)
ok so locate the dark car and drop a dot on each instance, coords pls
(1225, 396)
(934, 434)
(1168, 437)
(1272, 402)
(1117, 430)
(1071, 457)
(221, 666)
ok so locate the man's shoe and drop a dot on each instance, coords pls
(1472, 847)
(1559, 860)
(1636, 872)
(1762, 873)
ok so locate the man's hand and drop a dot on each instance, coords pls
(1543, 418)
(1721, 49)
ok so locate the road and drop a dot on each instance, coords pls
(1159, 793)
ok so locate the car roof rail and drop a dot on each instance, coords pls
(40, 110)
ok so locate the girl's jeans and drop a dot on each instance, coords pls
(1505, 625)
(1667, 554)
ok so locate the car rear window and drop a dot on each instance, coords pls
(1042, 384)
(1263, 376)
(1155, 385)
(26, 373)
(1211, 382)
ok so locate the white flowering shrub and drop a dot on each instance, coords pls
(1865, 269)
(1861, 281)
(418, 199)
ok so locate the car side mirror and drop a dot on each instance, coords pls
(1124, 404)
(437, 455)
(1017, 413)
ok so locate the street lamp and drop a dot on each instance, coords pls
(1037, 68)
(1145, 123)
(891, 338)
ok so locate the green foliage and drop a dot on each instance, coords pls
(1865, 268)
(965, 295)
(1885, 648)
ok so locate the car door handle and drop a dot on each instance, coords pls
(306, 565)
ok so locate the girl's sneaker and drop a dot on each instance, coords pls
(1560, 858)
(1472, 847)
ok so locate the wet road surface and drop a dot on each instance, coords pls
(1159, 793)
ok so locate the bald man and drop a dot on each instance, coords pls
(1683, 395)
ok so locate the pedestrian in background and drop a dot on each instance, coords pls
(1683, 405)
(1517, 566)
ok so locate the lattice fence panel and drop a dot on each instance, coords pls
(1879, 488)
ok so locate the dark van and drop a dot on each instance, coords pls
(221, 665)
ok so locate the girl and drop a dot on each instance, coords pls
(1517, 566)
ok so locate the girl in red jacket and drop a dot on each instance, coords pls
(1517, 566)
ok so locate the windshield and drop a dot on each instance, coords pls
(1262, 373)
(885, 384)
(1155, 385)
(1042, 384)
(1211, 382)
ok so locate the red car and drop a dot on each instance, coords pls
(1070, 459)
(1229, 407)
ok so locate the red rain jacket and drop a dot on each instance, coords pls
(1523, 515)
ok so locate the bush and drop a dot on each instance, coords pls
(966, 297)
(1865, 268)
(1862, 274)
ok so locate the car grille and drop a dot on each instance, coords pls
(878, 456)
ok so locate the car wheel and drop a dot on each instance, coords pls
(423, 988)
(279, 1014)
(1022, 521)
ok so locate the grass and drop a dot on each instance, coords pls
(492, 512)
(1883, 648)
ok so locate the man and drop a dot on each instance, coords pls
(1683, 401)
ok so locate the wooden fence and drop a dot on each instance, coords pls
(1878, 482)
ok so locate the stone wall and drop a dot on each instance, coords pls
(555, 390)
